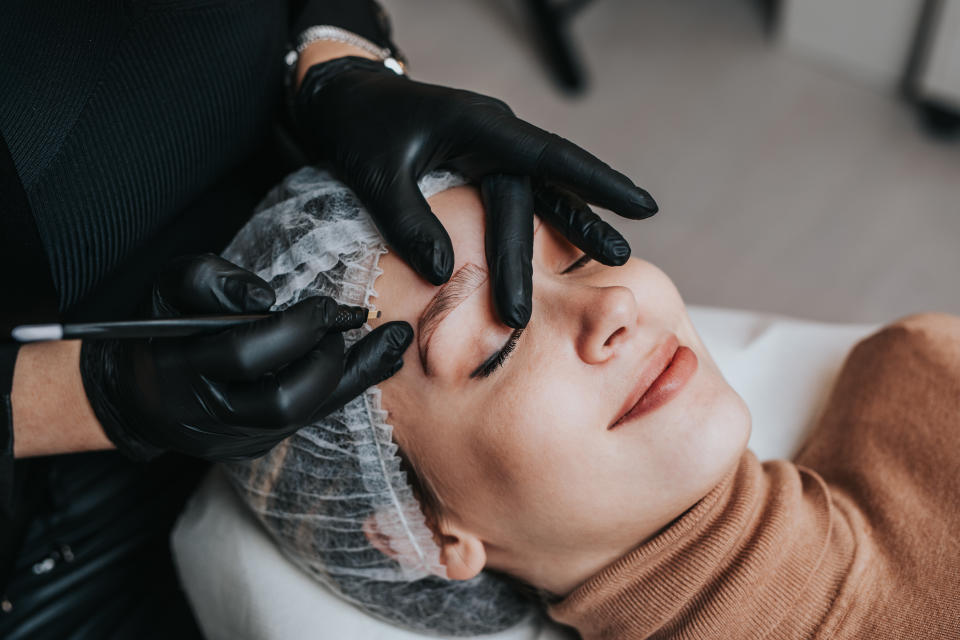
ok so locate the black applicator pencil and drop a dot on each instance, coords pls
(347, 318)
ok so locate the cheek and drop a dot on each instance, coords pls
(723, 424)
(662, 294)
(536, 450)
(436, 427)
(695, 442)
(398, 401)
(658, 295)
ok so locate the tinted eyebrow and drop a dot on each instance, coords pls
(458, 288)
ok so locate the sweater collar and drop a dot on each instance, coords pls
(765, 546)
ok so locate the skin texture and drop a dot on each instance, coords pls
(51, 413)
(529, 479)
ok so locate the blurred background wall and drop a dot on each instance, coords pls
(804, 153)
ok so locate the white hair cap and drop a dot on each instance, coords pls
(316, 491)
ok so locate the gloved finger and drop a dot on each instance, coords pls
(249, 449)
(570, 215)
(248, 351)
(284, 401)
(370, 361)
(404, 217)
(518, 147)
(242, 444)
(208, 284)
(237, 443)
(508, 202)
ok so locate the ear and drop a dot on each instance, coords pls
(461, 553)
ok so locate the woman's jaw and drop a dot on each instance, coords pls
(528, 477)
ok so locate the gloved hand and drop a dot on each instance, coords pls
(381, 132)
(237, 393)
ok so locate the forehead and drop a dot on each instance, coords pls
(460, 211)
(401, 293)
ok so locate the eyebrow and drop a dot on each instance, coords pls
(464, 282)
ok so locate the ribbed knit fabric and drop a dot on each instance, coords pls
(857, 538)
(118, 114)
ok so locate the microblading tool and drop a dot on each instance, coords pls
(348, 317)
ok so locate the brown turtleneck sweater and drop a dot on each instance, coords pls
(857, 537)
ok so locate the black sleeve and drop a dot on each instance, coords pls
(8, 358)
(363, 17)
(27, 296)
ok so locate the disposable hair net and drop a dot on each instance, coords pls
(316, 491)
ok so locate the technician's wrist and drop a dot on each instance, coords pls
(329, 93)
(325, 50)
(51, 413)
(105, 383)
(323, 45)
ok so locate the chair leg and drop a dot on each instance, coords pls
(551, 23)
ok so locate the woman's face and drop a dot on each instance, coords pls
(521, 456)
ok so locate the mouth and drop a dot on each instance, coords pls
(668, 369)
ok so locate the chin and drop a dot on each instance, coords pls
(720, 437)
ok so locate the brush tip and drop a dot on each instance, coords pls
(37, 332)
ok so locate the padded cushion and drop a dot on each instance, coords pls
(241, 587)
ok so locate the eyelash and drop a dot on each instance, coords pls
(496, 360)
(581, 262)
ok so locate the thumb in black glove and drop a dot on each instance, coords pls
(237, 393)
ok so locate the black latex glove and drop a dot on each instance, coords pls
(381, 132)
(237, 393)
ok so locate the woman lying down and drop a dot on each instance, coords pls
(594, 464)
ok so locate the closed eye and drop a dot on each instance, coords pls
(584, 259)
(496, 361)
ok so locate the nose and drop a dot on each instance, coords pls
(608, 317)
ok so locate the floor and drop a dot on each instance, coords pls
(783, 187)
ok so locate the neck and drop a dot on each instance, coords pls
(552, 574)
(765, 542)
(557, 573)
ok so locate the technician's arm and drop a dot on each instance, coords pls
(51, 413)
(230, 395)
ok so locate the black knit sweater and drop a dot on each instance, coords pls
(119, 113)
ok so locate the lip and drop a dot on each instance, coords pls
(668, 370)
